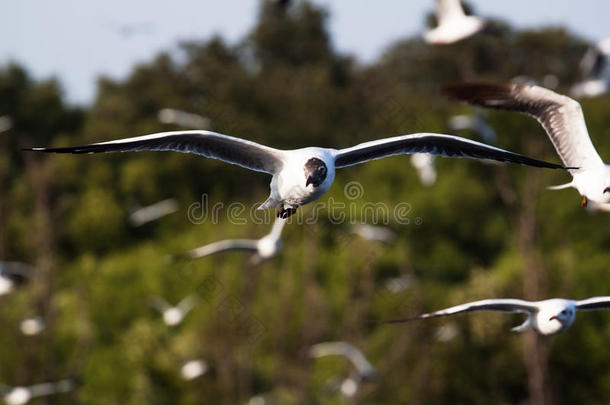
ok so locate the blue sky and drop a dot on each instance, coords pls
(78, 40)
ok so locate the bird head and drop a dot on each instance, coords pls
(315, 172)
(558, 318)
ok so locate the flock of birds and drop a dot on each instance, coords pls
(303, 175)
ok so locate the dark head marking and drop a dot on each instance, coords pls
(315, 172)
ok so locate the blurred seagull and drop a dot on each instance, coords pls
(5, 123)
(153, 212)
(564, 123)
(300, 175)
(193, 369)
(365, 370)
(424, 164)
(453, 24)
(23, 395)
(13, 274)
(173, 316)
(547, 317)
(264, 248)
(183, 118)
(373, 233)
(32, 326)
(595, 69)
(476, 122)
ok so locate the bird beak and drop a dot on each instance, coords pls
(607, 190)
(553, 317)
(309, 181)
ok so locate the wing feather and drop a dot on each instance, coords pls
(560, 116)
(500, 304)
(593, 303)
(233, 150)
(435, 144)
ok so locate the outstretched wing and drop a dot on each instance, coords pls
(499, 304)
(435, 144)
(352, 353)
(560, 116)
(223, 246)
(593, 303)
(233, 150)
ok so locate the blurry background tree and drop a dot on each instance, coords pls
(481, 231)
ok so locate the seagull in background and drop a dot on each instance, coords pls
(14, 274)
(548, 317)
(595, 70)
(193, 369)
(476, 122)
(184, 119)
(173, 316)
(453, 24)
(424, 164)
(374, 233)
(23, 395)
(264, 248)
(153, 212)
(300, 175)
(32, 326)
(563, 120)
(364, 369)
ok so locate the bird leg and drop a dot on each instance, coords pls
(286, 212)
(584, 201)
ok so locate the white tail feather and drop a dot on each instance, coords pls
(561, 186)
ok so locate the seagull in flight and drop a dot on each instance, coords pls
(563, 120)
(453, 24)
(264, 248)
(365, 370)
(193, 369)
(300, 175)
(173, 316)
(476, 122)
(373, 233)
(595, 69)
(23, 395)
(14, 274)
(144, 215)
(548, 317)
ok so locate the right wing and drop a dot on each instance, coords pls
(499, 304)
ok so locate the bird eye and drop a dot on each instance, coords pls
(564, 312)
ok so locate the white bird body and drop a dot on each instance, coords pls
(32, 326)
(284, 190)
(173, 315)
(6, 285)
(548, 317)
(564, 122)
(426, 170)
(193, 369)
(453, 24)
(302, 175)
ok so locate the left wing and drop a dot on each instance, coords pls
(435, 144)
